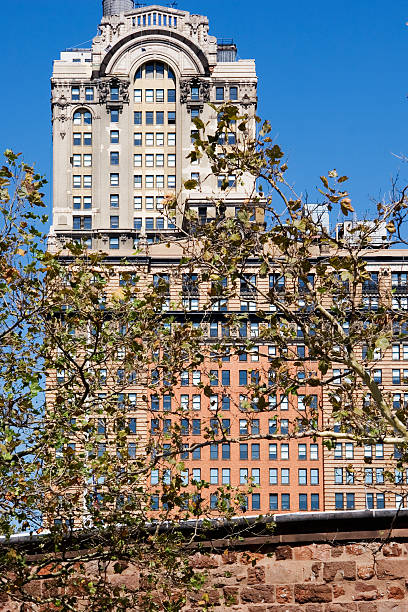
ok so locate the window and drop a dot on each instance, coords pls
(213, 501)
(76, 181)
(114, 222)
(137, 181)
(196, 475)
(226, 476)
(243, 378)
(159, 95)
(349, 454)
(379, 451)
(75, 94)
(195, 94)
(171, 95)
(137, 139)
(225, 378)
(285, 501)
(380, 499)
(87, 181)
(77, 139)
(137, 160)
(226, 450)
(303, 501)
(338, 475)
(369, 501)
(137, 223)
(82, 223)
(87, 160)
(338, 450)
(233, 93)
(225, 403)
(87, 139)
(243, 476)
(256, 501)
(314, 476)
(171, 181)
(89, 94)
(302, 477)
(302, 452)
(77, 161)
(171, 139)
(214, 476)
(159, 160)
(171, 117)
(243, 451)
(138, 117)
(314, 452)
(219, 94)
(284, 451)
(114, 180)
(149, 160)
(273, 501)
(396, 377)
(314, 501)
(114, 93)
(171, 160)
(273, 476)
(159, 118)
(339, 501)
(114, 158)
(273, 452)
(114, 243)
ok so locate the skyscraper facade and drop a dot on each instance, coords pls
(123, 128)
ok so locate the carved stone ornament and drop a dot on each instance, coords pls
(187, 84)
(104, 89)
(62, 134)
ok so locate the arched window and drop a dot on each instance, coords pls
(82, 117)
(154, 70)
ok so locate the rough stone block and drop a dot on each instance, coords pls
(313, 593)
(284, 594)
(303, 553)
(259, 594)
(392, 569)
(337, 551)
(339, 570)
(365, 572)
(339, 607)
(355, 549)
(395, 591)
(366, 592)
(392, 550)
(230, 595)
(256, 575)
(283, 552)
(200, 561)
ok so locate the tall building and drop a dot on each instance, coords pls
(122, 123)
(123, 127)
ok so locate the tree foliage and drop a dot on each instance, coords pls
(72, 466)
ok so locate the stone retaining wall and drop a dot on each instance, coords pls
(358, 577)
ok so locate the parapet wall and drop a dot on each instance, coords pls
(344, 562)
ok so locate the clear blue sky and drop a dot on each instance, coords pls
(332, 79)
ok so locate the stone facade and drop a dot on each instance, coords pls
(122, 116)
(357, 571)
